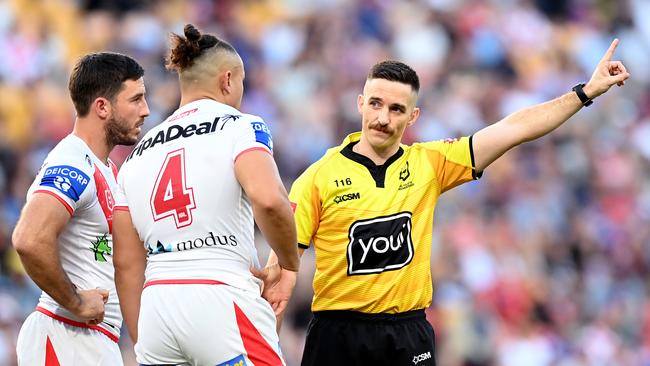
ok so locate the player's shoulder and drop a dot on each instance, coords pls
(441, 144)
(246, 120)
(247, 117)
(71, 152)
(68, 168)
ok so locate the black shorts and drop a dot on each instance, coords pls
(358, 339)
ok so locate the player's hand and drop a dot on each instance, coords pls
(607, 73)
(278, 287)
(91, 305)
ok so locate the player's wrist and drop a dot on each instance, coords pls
(75, 303)
(591, 91)
(290, 267)
(584, 93)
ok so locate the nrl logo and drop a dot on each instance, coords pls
(405, 173)
(101, 248)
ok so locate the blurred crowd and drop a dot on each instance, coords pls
(544, 261)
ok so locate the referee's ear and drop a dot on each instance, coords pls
(360, 103)
(414, 116)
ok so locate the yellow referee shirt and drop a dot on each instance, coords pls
(371, 225)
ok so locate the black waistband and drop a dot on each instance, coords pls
(359, 316)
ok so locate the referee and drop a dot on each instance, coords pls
(367, 209)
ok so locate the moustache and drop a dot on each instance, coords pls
(380, 128)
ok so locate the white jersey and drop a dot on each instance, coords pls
(86, 187)
(186, 204)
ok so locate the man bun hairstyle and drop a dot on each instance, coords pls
(395, 71)
(185, 50)
(100, 75)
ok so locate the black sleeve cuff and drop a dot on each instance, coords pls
(475, 174)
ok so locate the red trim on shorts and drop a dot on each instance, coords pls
(121, 208)
(67, 206)
(50, 356)
(77, 324)
(256, 347)
(183, 282)
(253, 149)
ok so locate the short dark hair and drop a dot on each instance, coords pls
(100, 75)
(185, 49)
(395, 71)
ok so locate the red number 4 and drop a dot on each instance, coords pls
(171, 196)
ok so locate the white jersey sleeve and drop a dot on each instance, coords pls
(252, 134)
(65, 176)
(121, 202)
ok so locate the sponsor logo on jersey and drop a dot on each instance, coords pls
(237, 361)
(66, 179)
(380, 244)
(347, 197)
(421, 357)
(208, 241)
(227, 118)
(175, 131)
(101, 248)
(262, 134)
(160, 248)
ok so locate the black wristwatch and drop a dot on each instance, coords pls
(586, 101)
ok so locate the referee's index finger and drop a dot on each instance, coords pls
(610, 51)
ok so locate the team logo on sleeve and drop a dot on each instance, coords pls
(262, 134)
(66, 179)
(380, 244)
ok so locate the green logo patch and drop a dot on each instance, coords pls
(101, 248)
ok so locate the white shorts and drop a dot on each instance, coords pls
(205, 324)
(46, 341)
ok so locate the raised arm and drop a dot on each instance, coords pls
(258, 176)
(533, 122)
(35, 238)
(130, 260)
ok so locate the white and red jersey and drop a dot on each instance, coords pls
(86, 187)
(186, 204)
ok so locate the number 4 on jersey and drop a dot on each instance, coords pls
(171, 196)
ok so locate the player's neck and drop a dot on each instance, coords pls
(377, 155)
(194, 95)
(96, 140)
